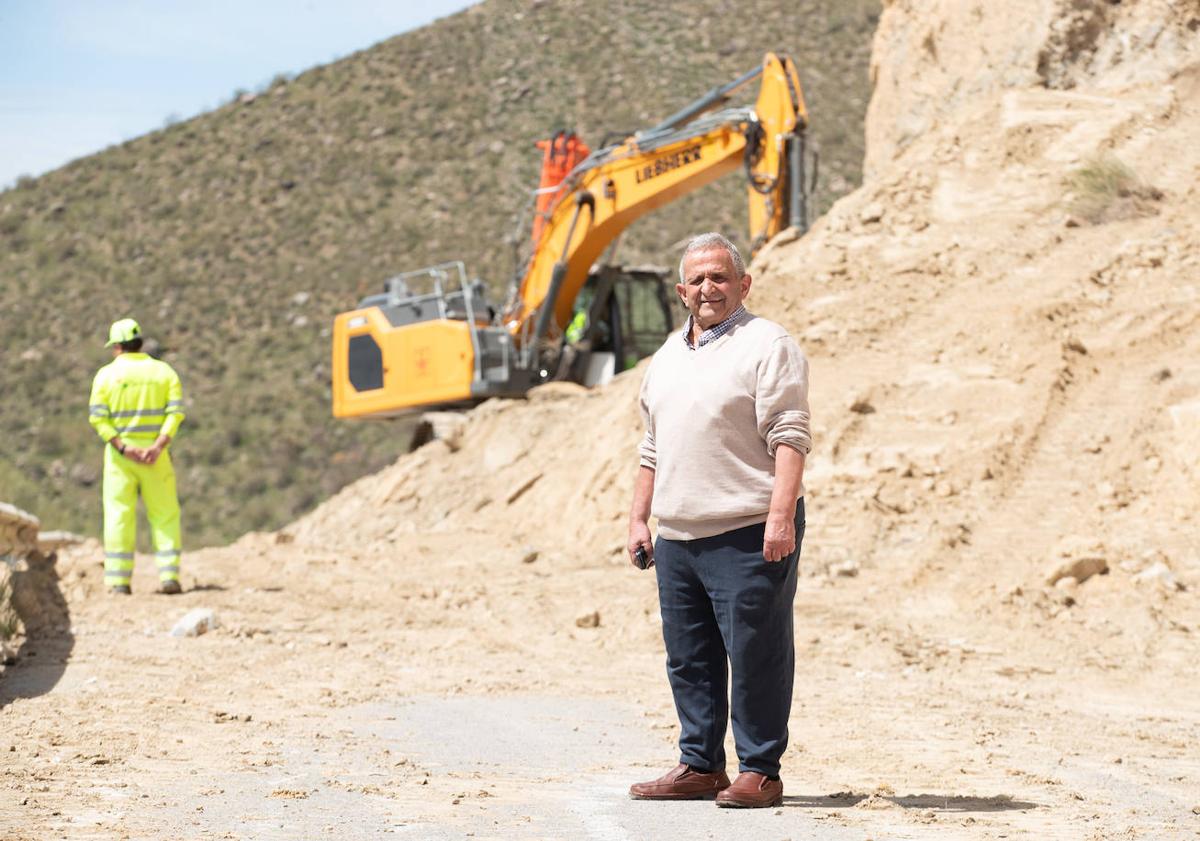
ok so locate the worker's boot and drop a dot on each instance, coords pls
(120, 590)
(170, 588)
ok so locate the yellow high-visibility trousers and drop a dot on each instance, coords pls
(123, 480)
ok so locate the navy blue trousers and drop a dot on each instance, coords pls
(726, 610)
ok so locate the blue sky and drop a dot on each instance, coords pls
(79, 75)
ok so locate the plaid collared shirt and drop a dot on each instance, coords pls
(712, 333)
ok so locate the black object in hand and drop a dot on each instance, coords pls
(639, 555)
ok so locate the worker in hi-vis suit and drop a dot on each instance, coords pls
(136, 407)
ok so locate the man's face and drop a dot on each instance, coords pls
(711, 289)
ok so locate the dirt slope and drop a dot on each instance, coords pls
(1001, 386)
(992, 376)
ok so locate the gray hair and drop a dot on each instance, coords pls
(704, 242)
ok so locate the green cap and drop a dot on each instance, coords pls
(125, 330)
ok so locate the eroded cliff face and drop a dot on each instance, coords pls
(934, 58)
(1011, 302)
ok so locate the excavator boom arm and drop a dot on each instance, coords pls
(613, 187)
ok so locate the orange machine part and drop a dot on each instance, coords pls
(560, 154)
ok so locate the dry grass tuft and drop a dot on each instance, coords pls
(1106, 189)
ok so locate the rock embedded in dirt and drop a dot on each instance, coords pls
(529, 555)
(1159, 573)
(844, 569)
(589, 620)
(1077, 559)
(1074, 345)
(876, 801)
(195, 622)
(441, 426)
(1081, 569)
(873, 212)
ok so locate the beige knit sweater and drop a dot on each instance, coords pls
(713, 417)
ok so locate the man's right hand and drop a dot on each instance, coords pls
(639, 535)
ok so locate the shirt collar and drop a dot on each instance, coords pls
(712, 333)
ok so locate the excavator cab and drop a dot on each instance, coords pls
(430, 335)
(622, 315)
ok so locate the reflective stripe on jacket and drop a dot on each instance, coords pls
(136, 396)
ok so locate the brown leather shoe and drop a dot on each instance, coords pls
(752, 790)
(681, 783)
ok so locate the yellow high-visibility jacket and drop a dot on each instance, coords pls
(137, 397)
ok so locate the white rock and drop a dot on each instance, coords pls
(52, 541)
(873, 212)
(844, 569)
(1160, 574)
(1081, 569)
(195, 622)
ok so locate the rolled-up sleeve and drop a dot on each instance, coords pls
(647, 454)
(781, 397)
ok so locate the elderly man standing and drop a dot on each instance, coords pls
(727, 430)
(136, 408)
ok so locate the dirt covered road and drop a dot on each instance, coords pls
(366, 695)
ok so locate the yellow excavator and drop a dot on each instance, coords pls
(431, 340)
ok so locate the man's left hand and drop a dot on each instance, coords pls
(779, 539)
